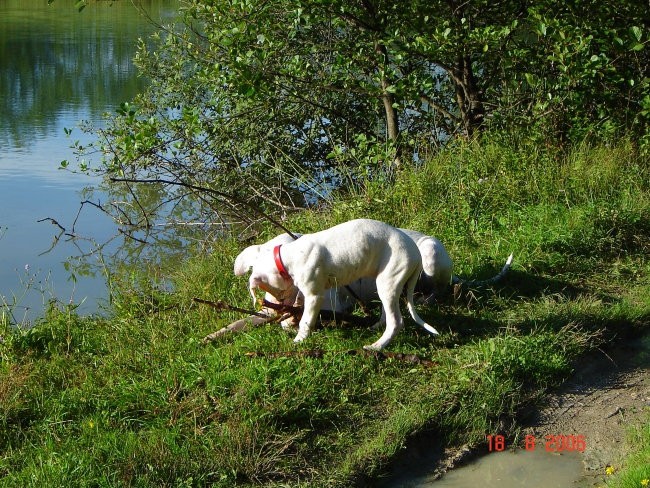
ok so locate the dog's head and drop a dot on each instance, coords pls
(265, 274)
(249, 256)
(246, 259)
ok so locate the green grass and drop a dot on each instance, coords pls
(135, 399)
(636, 471)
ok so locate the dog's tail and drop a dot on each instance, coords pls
(498, 277)
(410, 288)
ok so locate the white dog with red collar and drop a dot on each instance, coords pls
(335, 257)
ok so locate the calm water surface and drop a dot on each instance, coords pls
(58, 67)
(508, 469)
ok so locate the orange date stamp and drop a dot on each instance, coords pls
(551, 443)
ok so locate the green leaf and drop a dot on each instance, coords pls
(530, 79)
(636, 32)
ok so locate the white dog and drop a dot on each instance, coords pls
(333, 258)
(436, 275)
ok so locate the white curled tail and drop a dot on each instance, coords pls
(410, 288)
(498, 277)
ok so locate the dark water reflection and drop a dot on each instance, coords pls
(57, 68)
(55, 61)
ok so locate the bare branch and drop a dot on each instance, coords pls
(232, 199)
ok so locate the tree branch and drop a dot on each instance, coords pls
(227, 196)
(439, 108)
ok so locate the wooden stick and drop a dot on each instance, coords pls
(319, 354)
(235, 327)
(324, 314)
(281, 307)
(242, 324)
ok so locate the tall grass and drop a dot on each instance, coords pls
(135, 399)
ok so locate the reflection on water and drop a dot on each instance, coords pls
(534, 469)
(57, 68)
(55, 62)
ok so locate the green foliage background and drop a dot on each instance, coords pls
(278, 103)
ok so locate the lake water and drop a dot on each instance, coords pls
(58, 67)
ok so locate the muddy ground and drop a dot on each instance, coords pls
(608, 393)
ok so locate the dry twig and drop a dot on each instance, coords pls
(320, 353)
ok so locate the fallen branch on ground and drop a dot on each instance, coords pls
(324, 314)
(254, 318)
(320, 353)
(281, 307)
(240, 325)
(261, 318)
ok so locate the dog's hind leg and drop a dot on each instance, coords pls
(390, 314)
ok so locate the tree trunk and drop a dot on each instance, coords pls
(392, 118)
(468, 96)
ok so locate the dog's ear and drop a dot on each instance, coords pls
(260, 279)
(246, 259)
(253, 283)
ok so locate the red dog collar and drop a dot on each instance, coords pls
(279, 264)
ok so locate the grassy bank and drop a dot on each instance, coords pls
(636, 471)
(136, 399)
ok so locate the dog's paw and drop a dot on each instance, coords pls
(300, 337)
(288, 326)
(373, 347)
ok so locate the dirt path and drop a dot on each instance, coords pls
(608, 393)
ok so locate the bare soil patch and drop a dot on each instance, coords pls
(608, 393)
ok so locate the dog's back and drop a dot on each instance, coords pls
(361, 248)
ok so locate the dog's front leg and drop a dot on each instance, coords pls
(309, 316)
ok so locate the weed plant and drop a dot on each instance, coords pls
(134, 399)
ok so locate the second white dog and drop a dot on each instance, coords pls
(335, 257)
